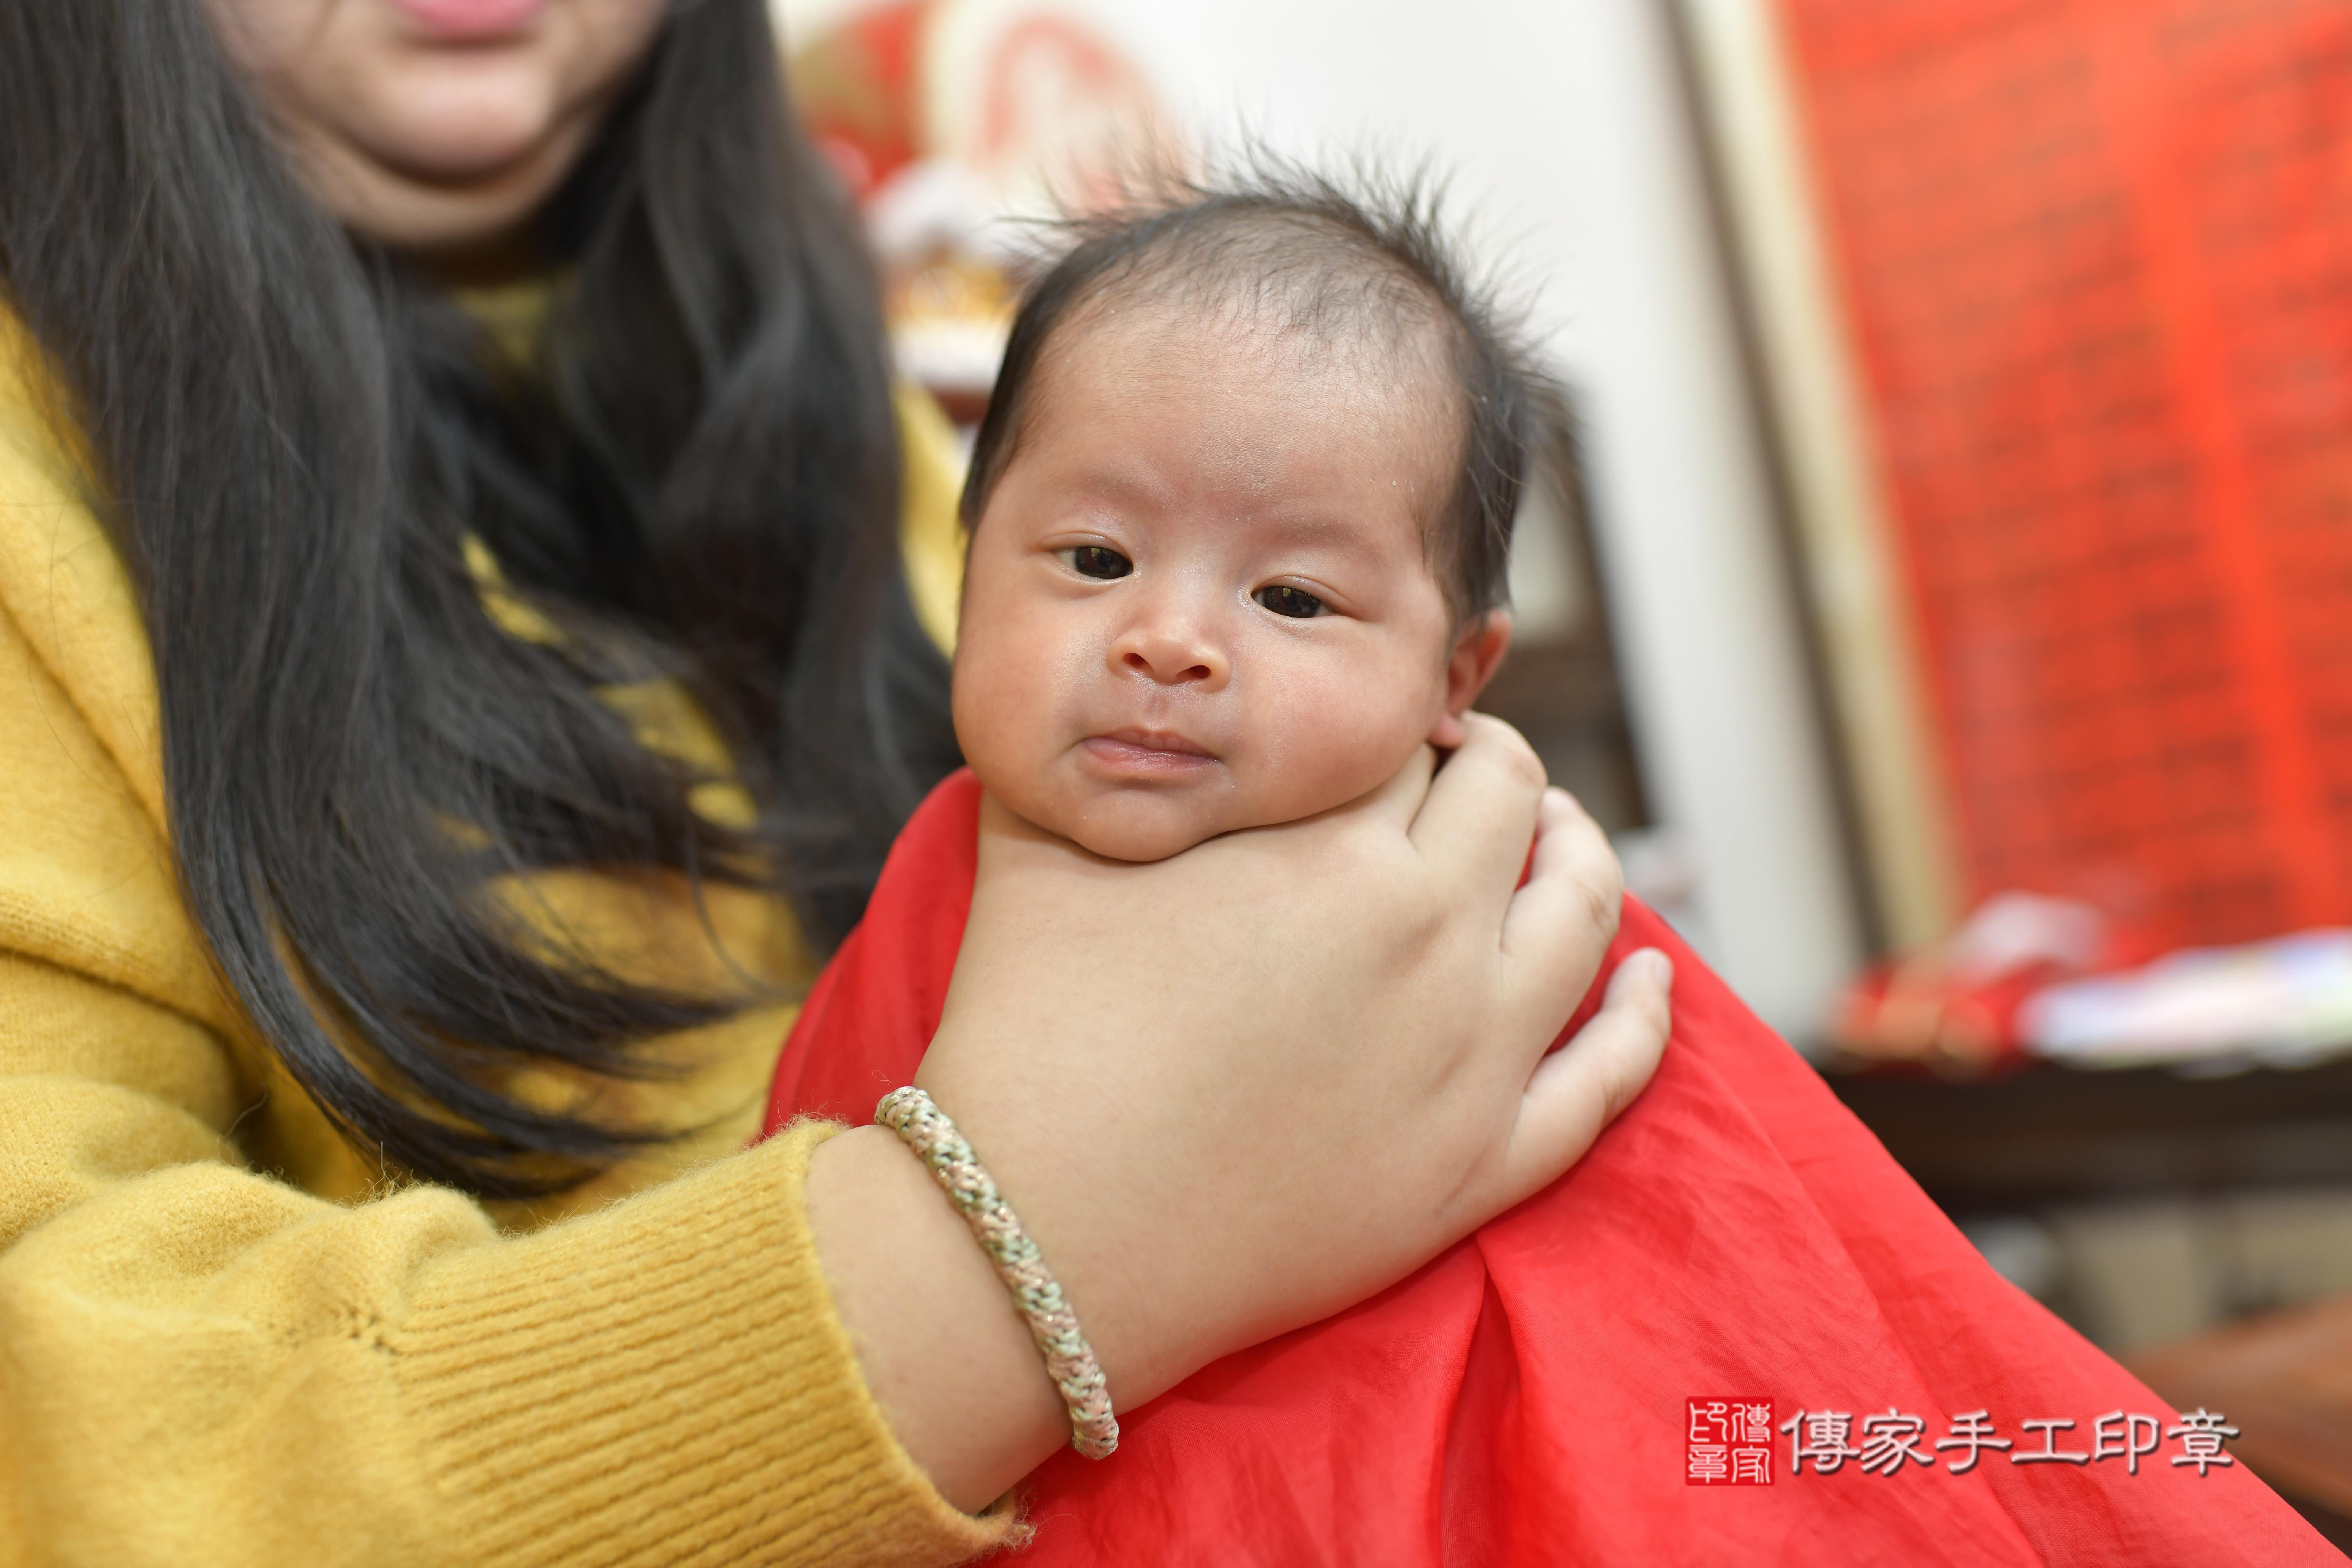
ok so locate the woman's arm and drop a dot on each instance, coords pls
(1236, 1091)
(200, 1364)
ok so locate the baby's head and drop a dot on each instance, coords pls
(1241, 516)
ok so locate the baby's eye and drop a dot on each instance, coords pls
(1285, 600)
(1096, 561)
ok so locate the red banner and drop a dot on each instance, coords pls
(2098, 258)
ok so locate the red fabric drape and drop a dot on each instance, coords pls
(1524, 1399)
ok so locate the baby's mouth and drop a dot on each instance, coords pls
(1149, 752)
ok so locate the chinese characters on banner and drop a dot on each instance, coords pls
(2093, 256)
(1728, 1441)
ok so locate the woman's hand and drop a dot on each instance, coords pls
(1234, 1091)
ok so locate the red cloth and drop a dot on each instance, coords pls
(1522, 1399)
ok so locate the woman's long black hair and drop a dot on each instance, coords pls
(293, 438)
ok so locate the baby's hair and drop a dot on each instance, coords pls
(1362, 262)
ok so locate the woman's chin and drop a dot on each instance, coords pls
(458, 121)
(410, 208)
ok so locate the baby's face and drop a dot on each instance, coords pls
(1198, 599)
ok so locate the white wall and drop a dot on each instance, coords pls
(1559, 121)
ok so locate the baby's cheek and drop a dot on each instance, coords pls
(994, 726)
(1018, 676)
(1340, 737)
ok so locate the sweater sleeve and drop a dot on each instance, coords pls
(201, 1362)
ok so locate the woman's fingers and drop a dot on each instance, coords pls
(1574, 890)
(1581, 1088)
(1474, 826)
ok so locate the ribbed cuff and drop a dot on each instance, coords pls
(665, 1382)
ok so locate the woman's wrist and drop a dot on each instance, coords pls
(932, 1134)
(947, 1357)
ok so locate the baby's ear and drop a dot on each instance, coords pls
(1478, 653)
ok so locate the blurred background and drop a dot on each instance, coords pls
(1954, 626)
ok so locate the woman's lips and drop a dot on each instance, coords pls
(470, 20)
(1153, 751)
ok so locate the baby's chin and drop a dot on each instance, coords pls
(1135, 823)
(1124, 827)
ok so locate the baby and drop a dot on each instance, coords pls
(1239, 521)
(1240, 514)
(1240, 518)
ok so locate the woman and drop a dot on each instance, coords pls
(455, 675)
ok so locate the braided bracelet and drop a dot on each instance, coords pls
(1070, 1360)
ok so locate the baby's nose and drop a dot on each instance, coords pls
(1174, 671)
(1171, 655)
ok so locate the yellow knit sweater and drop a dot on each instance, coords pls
(226, 1338)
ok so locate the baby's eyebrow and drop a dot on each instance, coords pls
(1121, 487)
(1292, 522)
(1312, 528)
